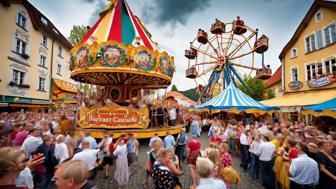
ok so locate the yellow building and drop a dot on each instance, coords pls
(33, 54)
(309, 62)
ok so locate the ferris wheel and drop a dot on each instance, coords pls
(225, 54)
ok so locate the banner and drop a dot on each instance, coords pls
(113, 117)
(322, 81)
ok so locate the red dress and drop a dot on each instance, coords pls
(216, 139)
(194, 146)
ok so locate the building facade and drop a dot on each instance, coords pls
(33, 53)
(274, 83)
(309, 62)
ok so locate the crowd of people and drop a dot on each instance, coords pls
(39, 150)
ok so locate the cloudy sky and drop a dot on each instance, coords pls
(174, 23)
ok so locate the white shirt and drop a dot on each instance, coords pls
(206, 183)
(30, 144)
(263, 130)
(266, 150)
(172, 114)
(243, 139)
(89, 156)
(304, 170)
(25, 179)
(153, 139)
(61, 152)
(255, 146)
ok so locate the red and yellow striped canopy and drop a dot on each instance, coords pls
(117, 22)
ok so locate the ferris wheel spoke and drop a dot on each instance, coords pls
(207, 70)
(214, 49)
(205, 63)
(229, 43)
(241, 45)
(243, 66)
(241, 55)
(204, 52)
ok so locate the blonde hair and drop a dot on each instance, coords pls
(76, 169)
(204, 166)
(8, 159)
(213, 155)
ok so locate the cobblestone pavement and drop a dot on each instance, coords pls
(137, 180)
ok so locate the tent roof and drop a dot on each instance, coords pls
(232, 97)
(327, 105)
(117, 22)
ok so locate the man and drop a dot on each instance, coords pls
(168, 141)
(181, 143)
(92, 141)
(172, 116)
(244, 149)
(204, 168)
(153, 139)
(64, 125)
(266, 154)
(89, 157)
(33, 141)
(73, 174)
(61, 149)
(303, 171)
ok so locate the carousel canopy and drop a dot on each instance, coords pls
(232, 97)
(117, 22)
(118, 50)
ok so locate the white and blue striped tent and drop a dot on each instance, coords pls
(232, 97)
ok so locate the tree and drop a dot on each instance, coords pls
(257, 88)
(77, 33)
(270, 93)
(174, 88)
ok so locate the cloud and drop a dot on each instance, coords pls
(172, 11)
(100, 4)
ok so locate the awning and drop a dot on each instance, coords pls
(65, 86)
(301, 99)
(29, 105)
(327, 108)
(3, 104)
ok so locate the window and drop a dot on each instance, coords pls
(21, 20)
(318, 16)
(310, 43)
(293, 53)
(60, 51)
(45, 41)
(330, 34)
(294, 74)
(21, 46)
(330, 66)
(312, 70)
(319, 39)
(44, 20)
(41, 85)
(18, 77)
(59, 69)
(43, 61)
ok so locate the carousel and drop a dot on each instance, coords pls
(118, 62)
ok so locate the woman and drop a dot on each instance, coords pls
(13, 161)
(195, 126)
(215, 125)
(162, 175)
(121, 173)
(327, 165)
(225, 156)
(194, 147)
(157, 145)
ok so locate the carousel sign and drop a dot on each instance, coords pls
(111, 117)
(295, 85)
(322, 81)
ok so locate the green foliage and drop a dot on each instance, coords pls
(270, 93)
(174, 88)
(257, 88)
(191, 93)
(77, 33)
